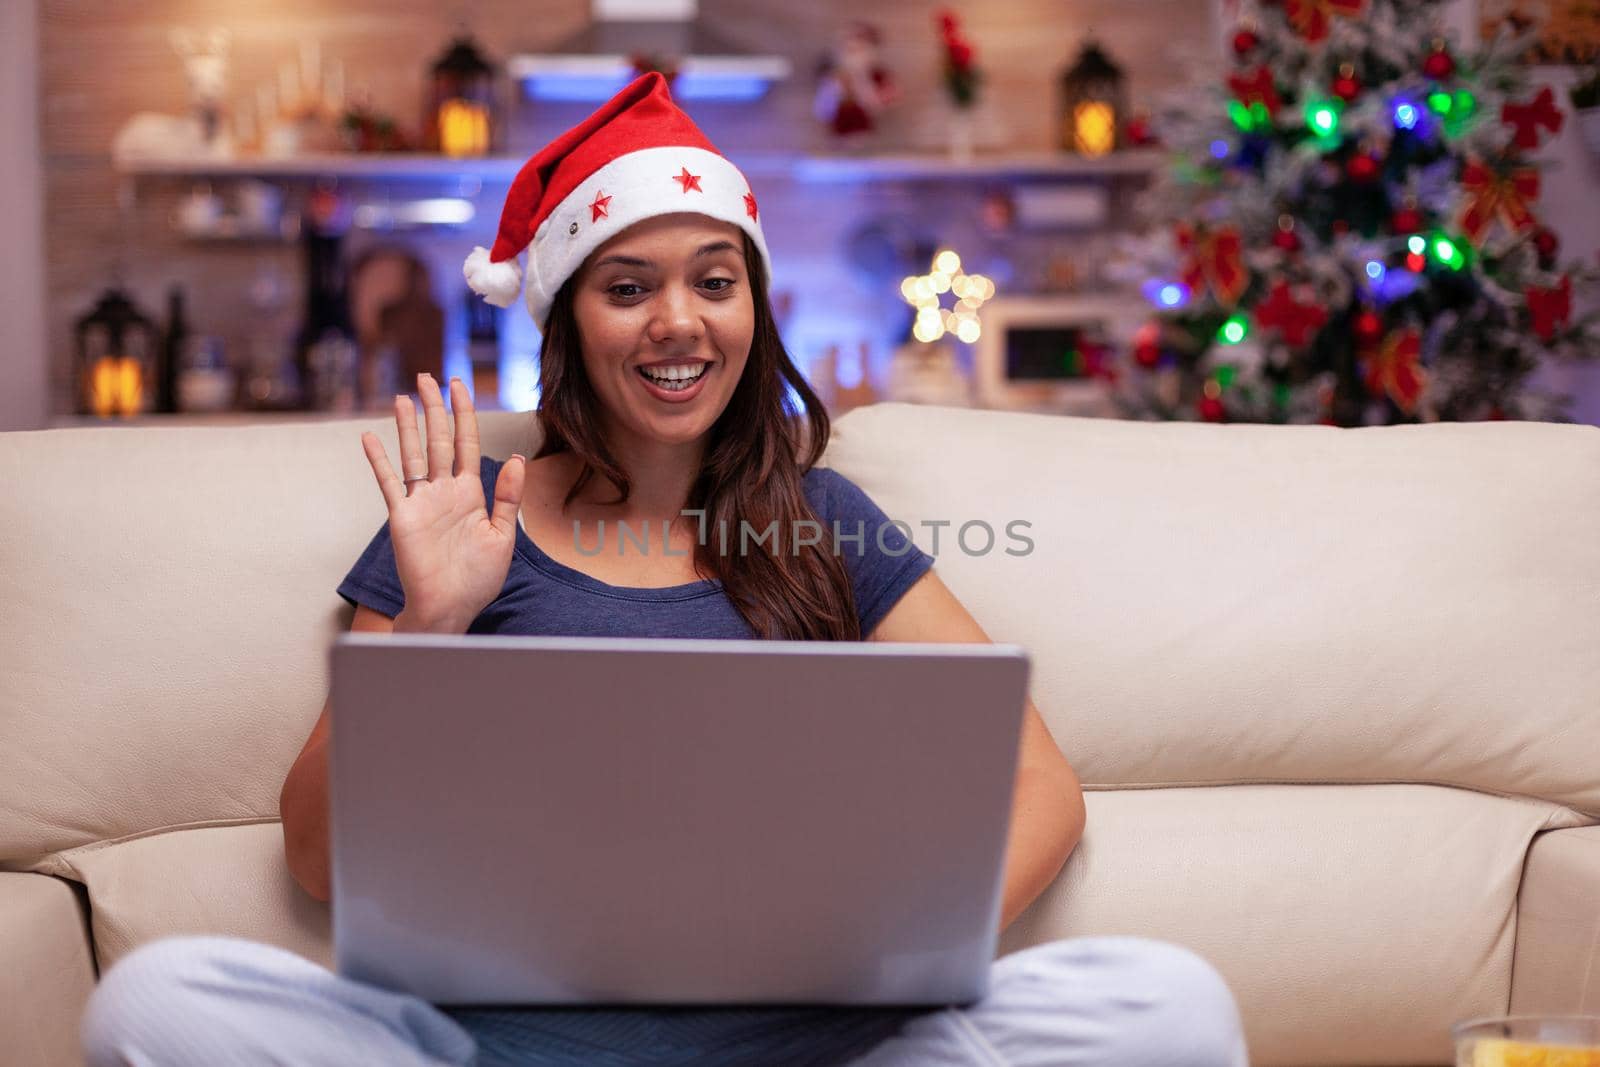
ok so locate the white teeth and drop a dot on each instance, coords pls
(679, 375)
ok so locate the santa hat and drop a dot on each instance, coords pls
(636, 157)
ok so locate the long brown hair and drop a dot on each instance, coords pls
(758, 452)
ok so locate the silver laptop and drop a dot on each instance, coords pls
(542, 820)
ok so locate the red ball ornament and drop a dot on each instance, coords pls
(1147, 355)
(1546, 244)
(1245, 42)
(1362, 168)
(1211, 409)
(1406, 220)
(1287, 240)
(1439, 65)
(1368, 327)
(1347, 86)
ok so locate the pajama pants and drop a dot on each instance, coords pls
(1101, 1001)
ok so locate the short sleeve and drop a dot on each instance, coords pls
(374, 580)
(878, 553)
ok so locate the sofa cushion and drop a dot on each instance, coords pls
(1210, 604)
(228, 880)
(46, 971)
(1355, 924)
(1558, 926)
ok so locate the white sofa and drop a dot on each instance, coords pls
(1335, 694)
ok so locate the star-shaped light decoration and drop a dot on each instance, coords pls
(750, 205)
(923, 292)
(688, 181)
(599, 206)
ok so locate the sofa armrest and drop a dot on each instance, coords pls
(46, 969)
(1556, 968)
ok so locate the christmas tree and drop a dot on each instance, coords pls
(1348, 233)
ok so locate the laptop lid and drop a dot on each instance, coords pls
(544, 820)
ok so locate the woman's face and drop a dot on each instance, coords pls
(665, 318)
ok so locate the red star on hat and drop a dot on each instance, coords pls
(689, 181)
(599, 206)
(750, 204)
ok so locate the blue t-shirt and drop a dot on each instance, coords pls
(544, 597)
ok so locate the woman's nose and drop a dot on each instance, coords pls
(676, 317)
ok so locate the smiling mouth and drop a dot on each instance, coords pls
(676, 378)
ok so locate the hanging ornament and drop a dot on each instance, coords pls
(1528, 118)
(1210, 405)
(1215, 259)
(1296, 322)
(1550, 309)
(1546, 244)
(1363, 167)
(1256, 87)
(1245, 42)
(1407, 220)
(1367, 328)
(1311, 19)
(1394, 367)
(1347, 86)
(1490, 195)
(1147, 345)
(1139, 132)
(1439, 65)
(1284, 236)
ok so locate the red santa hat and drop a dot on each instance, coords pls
(636, 157)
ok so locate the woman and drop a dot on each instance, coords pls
(664, 387)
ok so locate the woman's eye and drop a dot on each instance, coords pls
(722, 285)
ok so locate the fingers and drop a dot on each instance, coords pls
(438, 427)
(412, 463)
(466, 428)
(508, 495)
(388, 481)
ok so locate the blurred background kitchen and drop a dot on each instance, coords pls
(221, 211)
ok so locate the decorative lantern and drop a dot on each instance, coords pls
(117, 347)
(1092, 104)
(461, 111)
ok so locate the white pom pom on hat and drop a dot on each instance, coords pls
(639, 155)
(498, 283)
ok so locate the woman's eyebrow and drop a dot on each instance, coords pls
(635, 261)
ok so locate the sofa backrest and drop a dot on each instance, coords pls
(166, 606)
(1212, 604)
(1203, 604)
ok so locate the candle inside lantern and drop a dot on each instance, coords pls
(463, 128)
(116, 386)
(1094, 129)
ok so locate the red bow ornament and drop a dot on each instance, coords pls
(1311, 18)
(1295, 322)
(1215, 258)
(1395, 368)
(1527, 118)
(1491, 195)
(1551, 309)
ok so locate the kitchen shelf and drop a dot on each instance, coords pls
(802, 167)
